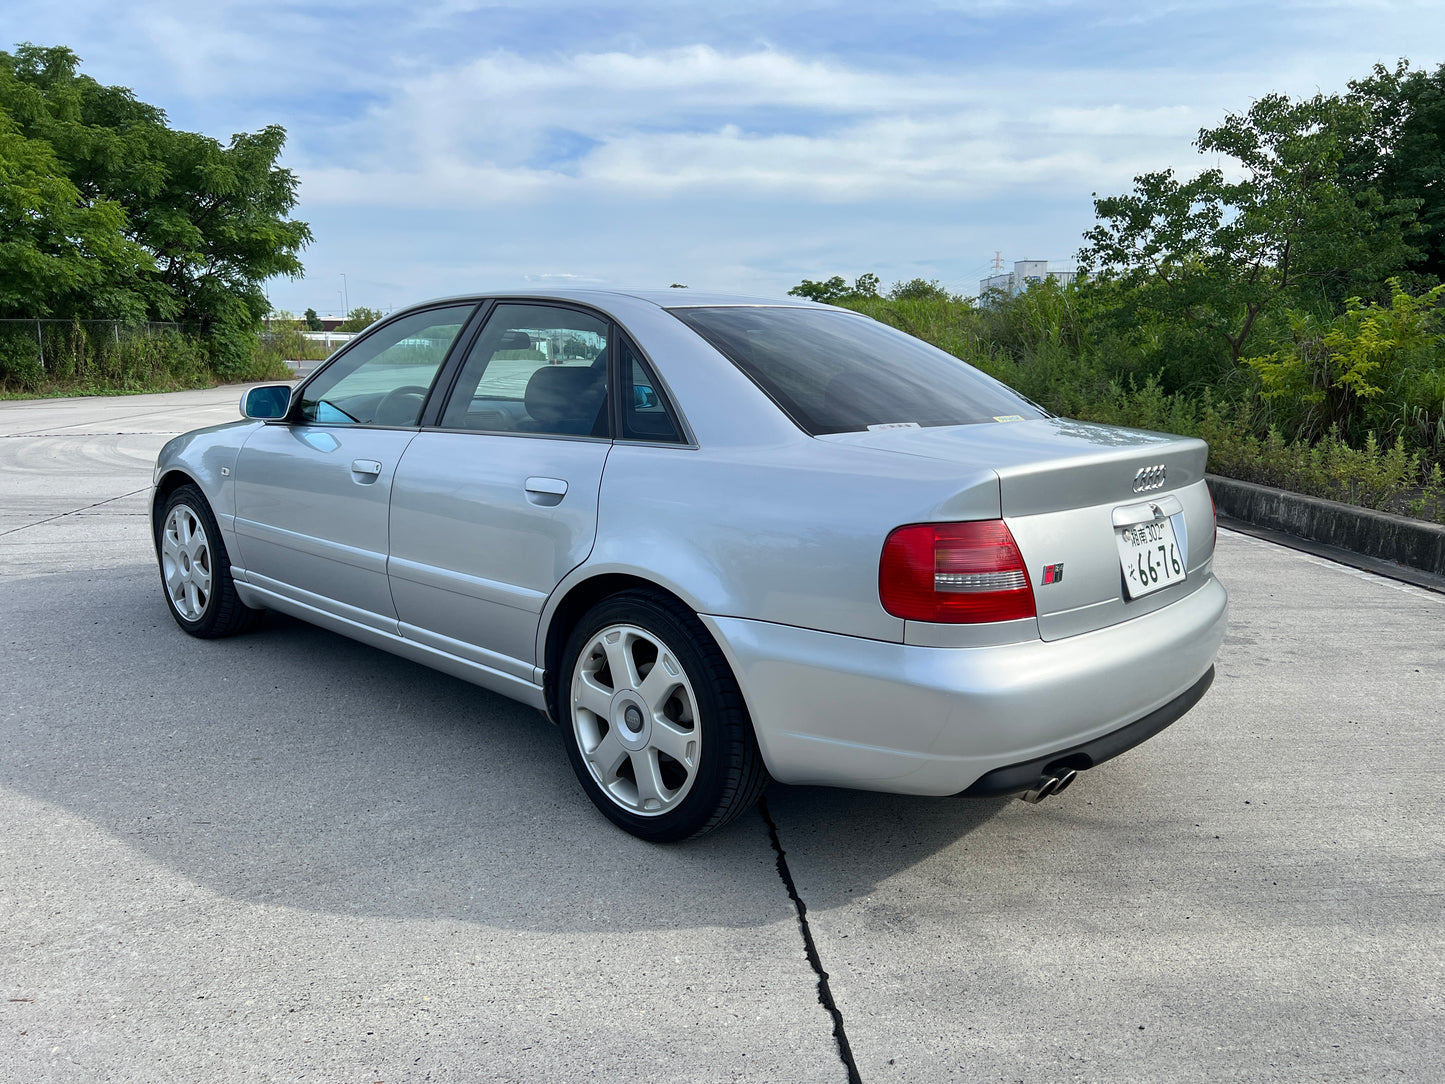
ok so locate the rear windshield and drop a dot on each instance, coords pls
(837, 372)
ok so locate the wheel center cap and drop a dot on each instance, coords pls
(632, 718)
(630, 721)
(185, 562)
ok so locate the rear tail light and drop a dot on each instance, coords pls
(954, 573)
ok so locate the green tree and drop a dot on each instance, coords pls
(1402, 151)
(61, 255)
(836, 289)
(313, 321)
(916, 290)
(1221, 254)
(208, 222)
(359, 318)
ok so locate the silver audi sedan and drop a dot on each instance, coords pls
(716, 540)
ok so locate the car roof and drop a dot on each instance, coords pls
(662, 298)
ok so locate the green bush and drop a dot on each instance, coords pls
(1374, 367)
(283, 344)
(110, 358)
(20, 366)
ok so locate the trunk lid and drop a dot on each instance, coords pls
(1065, 487)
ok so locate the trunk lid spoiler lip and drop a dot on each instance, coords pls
(1005, 445)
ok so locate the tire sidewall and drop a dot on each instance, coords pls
(716, 726)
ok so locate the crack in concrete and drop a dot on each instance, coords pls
(76, 512)
(810, 948)
(43, 434)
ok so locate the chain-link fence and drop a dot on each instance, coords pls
(49, 335)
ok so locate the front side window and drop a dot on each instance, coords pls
(836, 372)
(384, 379)
(534, 369)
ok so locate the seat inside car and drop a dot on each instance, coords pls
(567, 399)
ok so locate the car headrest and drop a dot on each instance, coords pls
(564, 398)
(515, 340)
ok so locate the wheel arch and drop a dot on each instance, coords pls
(167, 484)
(569, 608)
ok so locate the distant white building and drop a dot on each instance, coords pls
(1024, 275)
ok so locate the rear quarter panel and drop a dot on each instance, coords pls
(789, 533)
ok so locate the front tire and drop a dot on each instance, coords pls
(195, 569)
(654, 722)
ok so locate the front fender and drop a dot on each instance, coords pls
(207, 459)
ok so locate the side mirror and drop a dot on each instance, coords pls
(266, 403)
(643, 397)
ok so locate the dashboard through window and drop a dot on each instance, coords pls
(384, 378)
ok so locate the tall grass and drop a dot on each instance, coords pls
(77, 359)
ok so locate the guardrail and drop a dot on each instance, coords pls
(1414, 543)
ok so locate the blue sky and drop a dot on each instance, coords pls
(454, 145)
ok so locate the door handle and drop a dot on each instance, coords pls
(365, 472)
(546, 492)
(555, 487)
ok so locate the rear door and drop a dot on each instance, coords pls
(313, 492)
(495, 505)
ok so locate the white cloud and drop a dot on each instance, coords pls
(765, 122)
(445, 144)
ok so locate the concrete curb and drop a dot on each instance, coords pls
(1405, 541)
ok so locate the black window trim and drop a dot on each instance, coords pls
(622, 379)
(435, 408)
(449, 372)
(445, 385)
(431, 413)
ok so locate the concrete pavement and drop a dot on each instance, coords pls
(289, 857)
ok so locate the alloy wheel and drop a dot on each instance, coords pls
(634, 714)
(186, 562)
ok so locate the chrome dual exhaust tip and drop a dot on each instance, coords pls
(1053, 784)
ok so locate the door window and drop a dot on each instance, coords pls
(384, 379)
(534, 369)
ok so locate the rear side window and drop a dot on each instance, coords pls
(534, 369)
(836, 372)
(645, 415)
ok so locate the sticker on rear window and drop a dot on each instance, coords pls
(895, 425)
(1008, 417)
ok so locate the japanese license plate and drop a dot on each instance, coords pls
(1150, 555)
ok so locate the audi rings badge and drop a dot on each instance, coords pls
(1147, 478)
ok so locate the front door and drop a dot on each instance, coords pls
(313, 493)
(490, 511)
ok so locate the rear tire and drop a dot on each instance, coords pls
(196, 570)
(654, 721)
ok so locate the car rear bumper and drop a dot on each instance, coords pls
(847, 711)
